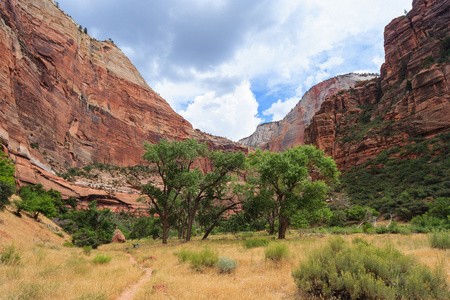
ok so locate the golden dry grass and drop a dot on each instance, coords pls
(50, 271)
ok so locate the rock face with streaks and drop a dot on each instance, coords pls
(67, 100)
(411, 97)
(289, 132)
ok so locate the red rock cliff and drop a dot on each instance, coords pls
(411, 97)
(67, 100)
(289, 132)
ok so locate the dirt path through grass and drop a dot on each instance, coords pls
(131, 291)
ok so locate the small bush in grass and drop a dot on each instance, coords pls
(10, 256)
(209, 257)
(198, 260)
(87, 250)
(439, 239)
(183, 255)
(226, 264)
(68, 244)
(258, 242)
(102, 259)
(277, 251)
(363, 271)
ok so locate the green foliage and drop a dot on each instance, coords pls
(7, 183)
(91, 227)
(6, 191)
(399, 179)
(277, 252)
(440, 239)
(102, 259)
(256, 242)
(36, 200)
(284, 180)
(87, 250)
(428, 62)
(226, 264)
(363, 271)
(10, 256)
(68, 244)
(203, 258)
(145, 227)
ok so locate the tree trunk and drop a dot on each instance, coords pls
(165, 229)
(271, 221)
(189, 229)
(282, 227)
(210, 229)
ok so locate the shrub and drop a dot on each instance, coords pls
(36, 200)
(226, 264)
(439, 239)
(6, 191)
(183, 255)
(198, 260)
(209, 257)
(277, 252)
(258, 242)
(363, 271)
(102, 259)
(10, 256)
(68, 244)
(87, 250)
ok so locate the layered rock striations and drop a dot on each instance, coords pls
(411, 98)
(68, 100)
(289, 132)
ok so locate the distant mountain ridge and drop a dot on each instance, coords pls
(289, 132)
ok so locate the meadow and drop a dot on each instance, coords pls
(49, 270)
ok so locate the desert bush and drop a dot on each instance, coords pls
(277, 251)
(102, 259)
(209, 257)
(363, 271)
(204, 258)
(439, 239)
(257, 242)
(87, 250)
(226, 264)
(10, 255)
(68, 244)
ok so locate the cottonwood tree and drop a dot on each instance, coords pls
(184, 186)
(296, 179)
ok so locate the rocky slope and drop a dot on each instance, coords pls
(68, 100)
(410, 99)
(289, 132)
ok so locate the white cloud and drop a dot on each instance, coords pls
(201, 52)
(279, 109)
(231, 115)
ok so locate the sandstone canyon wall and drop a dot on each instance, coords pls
(411, 98)
(289, 132)
(67, 100)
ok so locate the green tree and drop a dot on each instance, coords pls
(7, 182)
(184, 186)
(36, 200)
(174, 163)
(296, 178)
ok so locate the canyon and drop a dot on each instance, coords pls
(68, 100)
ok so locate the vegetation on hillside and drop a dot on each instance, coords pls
(402, 180)
(7, 181)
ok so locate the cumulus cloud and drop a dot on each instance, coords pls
(279, 109)
(196, 51)
(231, 115)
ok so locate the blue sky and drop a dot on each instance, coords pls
(228, 65)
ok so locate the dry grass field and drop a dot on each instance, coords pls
(48, 270)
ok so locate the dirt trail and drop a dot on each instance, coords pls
(131, 291)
